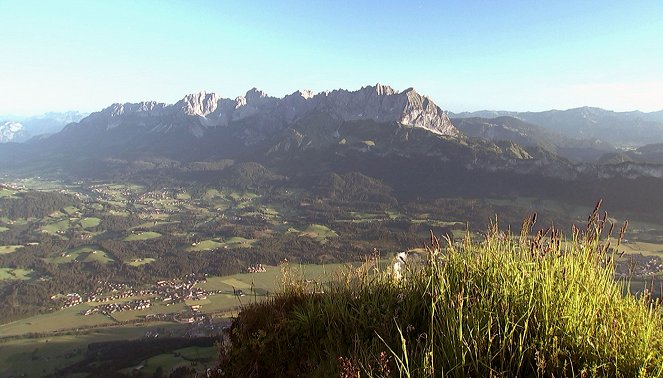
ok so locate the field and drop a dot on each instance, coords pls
(57, 351)
(9, 248)
(147, 235)
(90, 222)
(69, 318)
(262, 283)
(81, 254)
(205, 245)
(4, 192)
(646, 249)
(140, 261)
(40, 356)
(11, 274)
(216, 231)
(180, 357)
(57, 227)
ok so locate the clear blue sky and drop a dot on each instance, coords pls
(465, 55)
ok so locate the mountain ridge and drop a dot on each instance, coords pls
(376, 121)
(380, 103)
(20, 129)
(620, 129)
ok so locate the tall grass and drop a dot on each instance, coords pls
(507, 305)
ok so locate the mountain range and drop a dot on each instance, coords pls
(620, 129)
(20, 129)
(202, 126)
(399, 140)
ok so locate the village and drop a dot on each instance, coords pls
(107, 297)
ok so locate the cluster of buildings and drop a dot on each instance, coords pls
(176, 291)
(72, 299)
(639, 266)
(12, 186)
(108, 309)
(258, 268)
(168, 291)
(149, 200)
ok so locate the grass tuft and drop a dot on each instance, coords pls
(533, 304)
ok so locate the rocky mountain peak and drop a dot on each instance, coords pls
(201, 103)
(383, 90)
(421, 111)
(379, 103)
(118, 109)
(304, 93)
(255, 94)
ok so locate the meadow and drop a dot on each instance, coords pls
(9, 248)
(33, 357)
(221, 231)
(533, 304)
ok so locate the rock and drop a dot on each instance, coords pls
(199, 111)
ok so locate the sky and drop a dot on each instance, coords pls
(466, 55)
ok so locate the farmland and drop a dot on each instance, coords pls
(102, 248)
(60, 338)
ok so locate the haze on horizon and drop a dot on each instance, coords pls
(508, 55)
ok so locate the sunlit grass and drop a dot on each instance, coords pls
(205, 245)
(15, 274)
(147, 235)
(507, 305)
(90, 222)
(140, 261)
(4, 249)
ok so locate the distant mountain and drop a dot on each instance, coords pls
(506, 128)
(374, 121)
(620, 129)
(647, 154)
(372, 144)
(10, 131)
(20, 129)
(330, 128)
(204, 124)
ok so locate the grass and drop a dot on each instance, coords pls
(205, 245)
(90, 222)
(6, 193)
(81, 254)
(147, 235)
(4, 249)
(179, 357)
(67, 318)
(507, 305)
(70, 210)
(167, 361)
(15, 274)
(3, 229)
(237, 242)
(140, 261)
(316, 232)
(183, 196)
(60, 226)
(36, 357)
(646, 249)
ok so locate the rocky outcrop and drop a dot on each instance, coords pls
(381, 103)
(200, 111)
